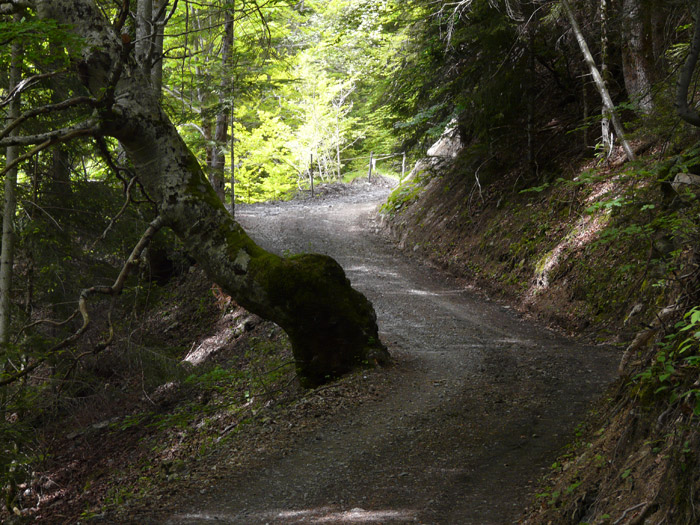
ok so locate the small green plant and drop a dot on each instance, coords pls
(554, 498)
(678, 356)
(117, 496)
(599, 461)
(218, 378)
(571, 488)
(400, 197)
(88, 514)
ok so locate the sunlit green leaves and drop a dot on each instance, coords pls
(36, 37)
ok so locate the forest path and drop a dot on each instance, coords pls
(481, 400)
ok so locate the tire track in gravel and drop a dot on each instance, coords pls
(482, 400)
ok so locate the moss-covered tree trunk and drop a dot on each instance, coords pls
(332, 326)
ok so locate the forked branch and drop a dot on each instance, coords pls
(84, 128)
(47, 144)
(43, 110)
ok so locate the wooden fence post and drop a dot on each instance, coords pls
(311, 174)
(371, 163)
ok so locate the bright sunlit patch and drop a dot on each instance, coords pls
(414, 291)
(374, 270)
(357, 515)
(584, 232)
(209, 346)
(366, 516)
(287, 514)
(201, 516)
(313, 515)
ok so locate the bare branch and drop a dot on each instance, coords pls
(132, 261)
(54, 140)
(195, 126)
(119, 214)
(179, 96)
(44, 110)
(118, 170)
(26, 84)
(167, 18)
(87, 127)
(46, 321)
(41, 209)
(104, 151)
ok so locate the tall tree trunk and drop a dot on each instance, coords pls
(332, 327)
(690, 115)
(605, 131)
(7, 252)
(337, 147)
(204, 96)
(232, 209)
(598, 79)
(637, 52)
(218, 160)
(144, 31)
(157, 49)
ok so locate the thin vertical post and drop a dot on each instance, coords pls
(233, 161)
(311, 174)
(403, 166)
(233, 113)
(371, 164)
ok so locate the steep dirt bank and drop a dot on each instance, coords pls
(580, 253)
(610, 253)
(461, 428)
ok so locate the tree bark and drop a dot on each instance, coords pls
(598, 79)
(218, 160)
(7, 251)
(156, 55)
(332, 327)
(637, 53)
(144, 30)
(690, 115)
(605, 132)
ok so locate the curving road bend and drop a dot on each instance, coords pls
(481, 404)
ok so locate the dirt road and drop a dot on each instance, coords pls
(481, 403)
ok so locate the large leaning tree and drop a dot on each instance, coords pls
(332, 327)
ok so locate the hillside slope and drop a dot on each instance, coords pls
(606, 252)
